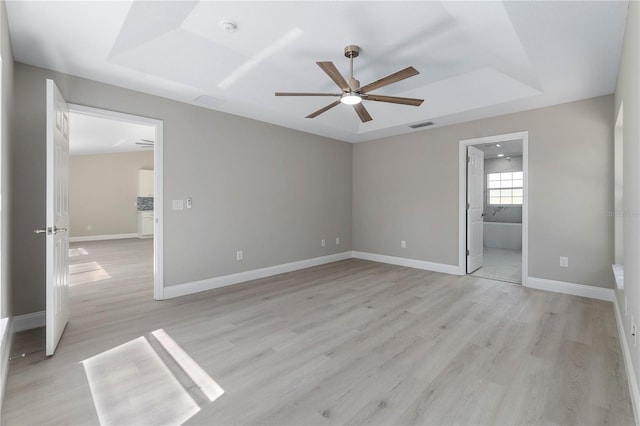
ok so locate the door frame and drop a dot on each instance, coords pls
(462, 195)
(158, 203)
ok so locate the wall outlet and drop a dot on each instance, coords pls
(323, 243)
(89, 227)
(177, 204)
(239, 255)
(337, 241)
(403, 244)
(564, 261)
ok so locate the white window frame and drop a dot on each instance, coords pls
(501, 187)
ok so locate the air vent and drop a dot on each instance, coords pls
(425, 124)
(209, 101)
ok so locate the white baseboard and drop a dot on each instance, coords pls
(226, 280)
(411, 263)
(6, 334)
(102, 237)
(29, 321)
(590, 291)
(628, 364)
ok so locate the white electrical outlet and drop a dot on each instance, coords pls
(403, 244)
(323, 243)
(239, 255)
(89, 227)
(177, 204)
(337, 241)
(564, 261)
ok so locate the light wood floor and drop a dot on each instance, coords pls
(353, 342)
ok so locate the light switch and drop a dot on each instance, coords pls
(189, 203)
(177, 205)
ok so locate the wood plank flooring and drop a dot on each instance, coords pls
(353, 342)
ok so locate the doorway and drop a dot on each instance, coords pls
(115, 197)
(493, 232)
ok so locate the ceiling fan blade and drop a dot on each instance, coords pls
(362, 113)
(392, 78)
(335, 75)
(394, 100)
(321, 110)
(306, 94)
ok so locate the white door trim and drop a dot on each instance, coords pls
(158, 239)
(462, 199)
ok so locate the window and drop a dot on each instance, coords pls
(505, 188)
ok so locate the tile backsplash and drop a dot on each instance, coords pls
(144, 204)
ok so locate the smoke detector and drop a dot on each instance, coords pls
(229, 26)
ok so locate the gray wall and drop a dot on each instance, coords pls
(628, 93)
(103, 190)
(511, 214)
(406, 188)
(269, 191)
(6, 152)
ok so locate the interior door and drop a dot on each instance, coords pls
(57, 216)
(475, 207)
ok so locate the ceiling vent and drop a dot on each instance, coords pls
(425, 124)
(209, 101)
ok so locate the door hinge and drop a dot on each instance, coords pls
(468, 252)
(468, 206)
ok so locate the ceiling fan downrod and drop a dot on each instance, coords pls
(352, 51)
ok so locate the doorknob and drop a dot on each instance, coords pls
(49, 231)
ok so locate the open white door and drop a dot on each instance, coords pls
(475, 207)
(57, 216)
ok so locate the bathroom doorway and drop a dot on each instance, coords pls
(497, 241)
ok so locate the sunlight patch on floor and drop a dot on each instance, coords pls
(77, 252)
(207, 385)
(131, 384)
(88, 272)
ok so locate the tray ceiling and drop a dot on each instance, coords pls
(476, 59)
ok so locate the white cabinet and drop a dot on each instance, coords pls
(145, 183)
(145, 189)
(145, 224)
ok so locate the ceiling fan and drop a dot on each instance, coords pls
(353, 94)
(145, 143)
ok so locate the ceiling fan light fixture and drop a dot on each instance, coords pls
(351, 98)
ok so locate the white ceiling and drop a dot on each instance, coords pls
(98, 135)
(476, 59)
(509, 148)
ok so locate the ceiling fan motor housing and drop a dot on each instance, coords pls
(351, 51)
